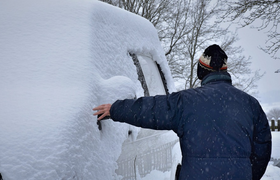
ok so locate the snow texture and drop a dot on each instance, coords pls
(59, 59)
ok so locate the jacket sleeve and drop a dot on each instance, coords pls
(161, 112)
(261, 147)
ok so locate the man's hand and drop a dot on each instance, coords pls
(103, 109)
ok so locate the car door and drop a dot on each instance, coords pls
(148, 150)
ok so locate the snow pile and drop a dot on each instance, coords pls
(275, 153)
(59, 59)
(156, 175)
(272, 172)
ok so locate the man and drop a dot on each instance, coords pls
(224, 133)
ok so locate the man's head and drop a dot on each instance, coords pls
(212, 60)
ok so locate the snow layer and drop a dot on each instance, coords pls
(275, 153)
(59, 59)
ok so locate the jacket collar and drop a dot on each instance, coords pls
(216, 76)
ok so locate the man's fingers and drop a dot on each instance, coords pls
(98, 108)
(98, 112)
(103, 109)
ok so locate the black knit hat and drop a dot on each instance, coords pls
(213, 59)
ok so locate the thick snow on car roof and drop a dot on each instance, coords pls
(59, 59)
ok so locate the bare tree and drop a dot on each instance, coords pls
(245, 12)
(193, 42)
(153, 10)
(239, 66)
(168, 16)
(186, 28)
(204, 31)
(273, 114)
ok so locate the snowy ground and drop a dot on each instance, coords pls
(273, 172)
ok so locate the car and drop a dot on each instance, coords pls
(59, 59)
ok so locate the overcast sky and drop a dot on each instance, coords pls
(269, 85)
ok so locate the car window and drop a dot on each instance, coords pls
(150, 75)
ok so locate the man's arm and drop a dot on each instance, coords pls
(156, 112)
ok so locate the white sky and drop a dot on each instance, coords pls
(268, 86)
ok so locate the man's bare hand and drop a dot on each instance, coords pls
(103, 109)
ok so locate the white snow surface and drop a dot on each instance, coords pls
(59, 59)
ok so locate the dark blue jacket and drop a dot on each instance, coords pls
(224, 133)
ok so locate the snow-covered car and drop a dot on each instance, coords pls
(59, 59)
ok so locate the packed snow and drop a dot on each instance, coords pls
(59, 59)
